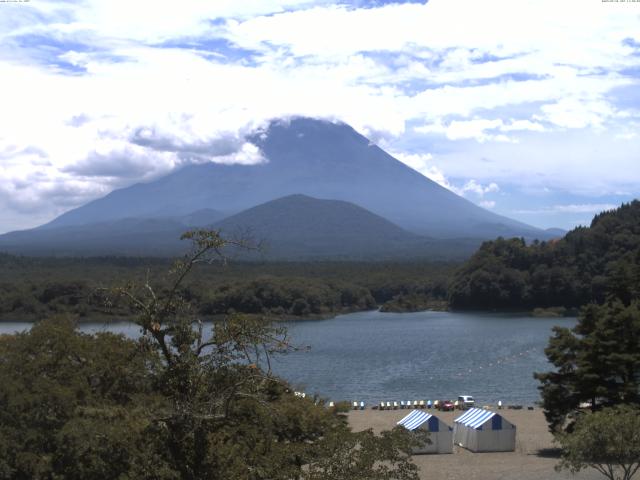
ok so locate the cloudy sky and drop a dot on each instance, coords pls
(530, 108)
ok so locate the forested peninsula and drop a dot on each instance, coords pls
(584, 267)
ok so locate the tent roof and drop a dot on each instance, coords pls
(475, 417)
(415, 419)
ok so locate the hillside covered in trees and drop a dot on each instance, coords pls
(585, 266)
(33, 288)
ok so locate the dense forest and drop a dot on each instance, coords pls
(33, 288)
(585, 266)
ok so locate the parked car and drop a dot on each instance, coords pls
(466, 401)
(446, 405)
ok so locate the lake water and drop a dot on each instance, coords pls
(374, 356)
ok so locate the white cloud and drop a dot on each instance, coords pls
(422, 162)
(570, 208)
(626, 135)
(446, 24)
(152, 21)
(248, 154)
(480, 129)
(578, 113)
(564, 54)
(579, 162)
(497, 72)
(487, 203)
(522, 125)
(584, 208)
(474, 187)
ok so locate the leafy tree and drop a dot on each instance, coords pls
(74, 404)
(608, 441)
(364, 456)
(598, 361)
(583, 267)
(229, 417)
(181, 403)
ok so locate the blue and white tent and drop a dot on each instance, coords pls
(440, 434)
(482, 430)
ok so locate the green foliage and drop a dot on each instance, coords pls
(583, 267)
(608, 441)
(179, 403)
(297, 297)
(364, 456)
(65, 394)
(33, 288)
(598, 361)
(413, 303)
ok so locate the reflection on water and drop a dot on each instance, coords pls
(374, 356)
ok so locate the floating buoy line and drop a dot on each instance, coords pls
(495, 363)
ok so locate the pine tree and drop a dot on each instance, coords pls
(598, 361)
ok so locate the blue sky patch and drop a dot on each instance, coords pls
(487, 57)
(219, 48)
(377, 3)
(50, 43)
(49, 51)
(627, 96)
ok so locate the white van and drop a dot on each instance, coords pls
(466, 401)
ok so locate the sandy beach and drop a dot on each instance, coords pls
(534, 458)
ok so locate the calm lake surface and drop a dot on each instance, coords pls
(374, 356)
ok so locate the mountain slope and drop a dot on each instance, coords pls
(128, 236)
(316, 158)
(301, 227)
(296, 227)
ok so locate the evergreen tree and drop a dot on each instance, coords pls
(570, 272)
(598, 362)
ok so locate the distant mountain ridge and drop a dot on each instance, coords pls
(385, 205)
(311, 157)
(296, 227)
(302, 227)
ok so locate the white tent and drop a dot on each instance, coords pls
(481, 430)
(440, 434)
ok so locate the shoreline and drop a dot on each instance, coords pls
(95, 318)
